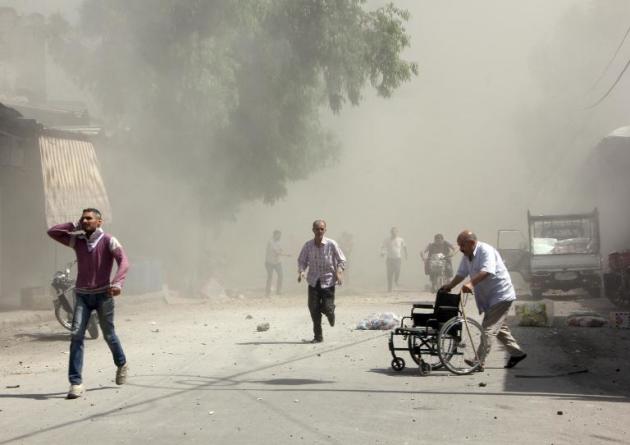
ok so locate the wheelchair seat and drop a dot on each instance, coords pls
(446, 307)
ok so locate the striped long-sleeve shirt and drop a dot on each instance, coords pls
(322, 262)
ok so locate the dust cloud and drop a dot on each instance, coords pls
(494, 124)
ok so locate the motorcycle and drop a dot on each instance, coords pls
(63, 287)
(437, 271)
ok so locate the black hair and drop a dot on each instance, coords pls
(96, 212)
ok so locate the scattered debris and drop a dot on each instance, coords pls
(155, 330)
(559, 413)
(249, 317)
(535, 314)
(153, 323)
(12, 386)
(483, 384)
(211, 412)
(262, 327)
(384, 321)
(586, 320)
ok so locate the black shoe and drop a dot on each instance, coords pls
(317, 340)
(514, 360)
(331, 319)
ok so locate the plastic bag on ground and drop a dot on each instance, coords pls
(383, 322)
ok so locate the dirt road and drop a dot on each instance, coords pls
(201, 373)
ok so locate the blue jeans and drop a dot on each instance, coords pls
(103, 304)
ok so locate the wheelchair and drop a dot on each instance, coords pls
(439, 335)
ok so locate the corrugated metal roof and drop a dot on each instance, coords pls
(72, 180)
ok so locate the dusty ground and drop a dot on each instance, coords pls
(200, 373)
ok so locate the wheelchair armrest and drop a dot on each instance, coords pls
(423, 306)
(447, 308)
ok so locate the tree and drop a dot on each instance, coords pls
(221, 99)
(240, 84)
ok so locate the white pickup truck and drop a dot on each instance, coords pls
(562, 253)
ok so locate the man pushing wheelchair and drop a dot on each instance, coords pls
(494, 295)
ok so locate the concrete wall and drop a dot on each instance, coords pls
(27, 255)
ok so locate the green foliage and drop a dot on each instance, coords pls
(239, 84)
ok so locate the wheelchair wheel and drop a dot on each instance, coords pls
(458, 343)
(398, 364)
(413, 343)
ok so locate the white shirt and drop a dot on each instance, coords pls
(497, 286)
(393, 247)
(273, 252)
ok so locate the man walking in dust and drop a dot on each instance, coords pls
(325, 263)
(494, 294)
(273, 262)
(96, 252)
(393, 249)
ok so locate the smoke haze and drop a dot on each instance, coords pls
(493, 125)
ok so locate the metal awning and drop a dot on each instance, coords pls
(72, 179)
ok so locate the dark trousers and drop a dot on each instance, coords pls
(320, 301)
(393, 272)
(270, 268)
(103, 304)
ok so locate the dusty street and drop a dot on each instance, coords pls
(200, 373)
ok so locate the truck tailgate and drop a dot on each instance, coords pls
(552, 263)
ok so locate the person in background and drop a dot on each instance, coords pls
(273, 262)
(439, 245)
(393, 249)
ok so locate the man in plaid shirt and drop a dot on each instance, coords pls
(325, 262)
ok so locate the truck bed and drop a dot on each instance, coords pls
(554, 263)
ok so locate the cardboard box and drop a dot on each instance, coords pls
(619, 320)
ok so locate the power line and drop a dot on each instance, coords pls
(601, 76)
(601, 99)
